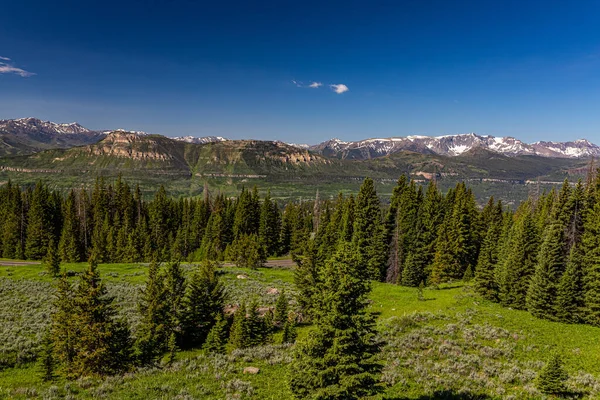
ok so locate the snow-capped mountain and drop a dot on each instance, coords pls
(29, 135)
(201, 140)
(454, 145)
(299, 145)
(139, 133)
(576, 149)
(34, 125)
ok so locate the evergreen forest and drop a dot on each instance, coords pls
(370, 300)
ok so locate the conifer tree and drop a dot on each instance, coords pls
(348, 217)
(407, 226)
(200, 221)
(575, 219)
(64, 331)
(521, 260)
(38, 224)
(393, 262)
(552, 377)
(152, 337)
(369, 233)
(331, 230)
(541, 295)
(591, 260)
(431, 215)
(468, 275)
(445, 265)
(175, 286)
(270, 225)
(571, 290)
(214, 241)
(70, 239)
(336, 360)
(131, 253)
(289, 332)
(281, 310)
(246, 214)
(287, 228)
(248, 252)
(256, 328)
(46, 359)
(463, 231)
(160, 219)
(413, 273)
(485, 273)
(202, 304)
(52, 261)
(172, 348)
(391, 232)
(238, 334)
(101, 343)
(217, 337)
(12, 230)
(307, 278)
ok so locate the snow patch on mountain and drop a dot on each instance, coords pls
(455, 145)
(201, 140)
(48, 127)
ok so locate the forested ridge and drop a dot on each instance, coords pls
(542, 257)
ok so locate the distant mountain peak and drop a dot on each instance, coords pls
(36, 124)
(454, 145)
(200, 140)
(121, 130)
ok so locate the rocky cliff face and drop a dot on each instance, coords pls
(130, 145)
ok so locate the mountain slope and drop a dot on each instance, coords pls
(151, 160)
(28, 135)
(290, 171)
(453, 145)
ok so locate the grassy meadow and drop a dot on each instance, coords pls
(447, 343)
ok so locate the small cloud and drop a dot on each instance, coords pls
(339, 88)
(298, 84)
(315, 85)
(9, 68)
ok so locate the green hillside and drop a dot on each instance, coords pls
(452, 344)
(290, 172)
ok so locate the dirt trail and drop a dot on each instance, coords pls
(285, 263)
(18, 263)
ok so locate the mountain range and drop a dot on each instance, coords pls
(69, 155)
(454, 145)
(28, 135)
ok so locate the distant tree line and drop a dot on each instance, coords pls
(543, 257)
(113, 223)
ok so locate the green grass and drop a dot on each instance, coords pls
(452, 340)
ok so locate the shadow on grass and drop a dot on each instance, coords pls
(445, 395)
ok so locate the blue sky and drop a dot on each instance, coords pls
(529, 69)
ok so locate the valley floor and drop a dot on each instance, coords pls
(449, 344)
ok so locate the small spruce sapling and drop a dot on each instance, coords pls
(552, 377)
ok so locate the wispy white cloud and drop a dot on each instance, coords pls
(7, 67)
(315, 85)
(339, 88)
(298, 84)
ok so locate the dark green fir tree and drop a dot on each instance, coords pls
(553, 376)
(337, 359)
(217, 337)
